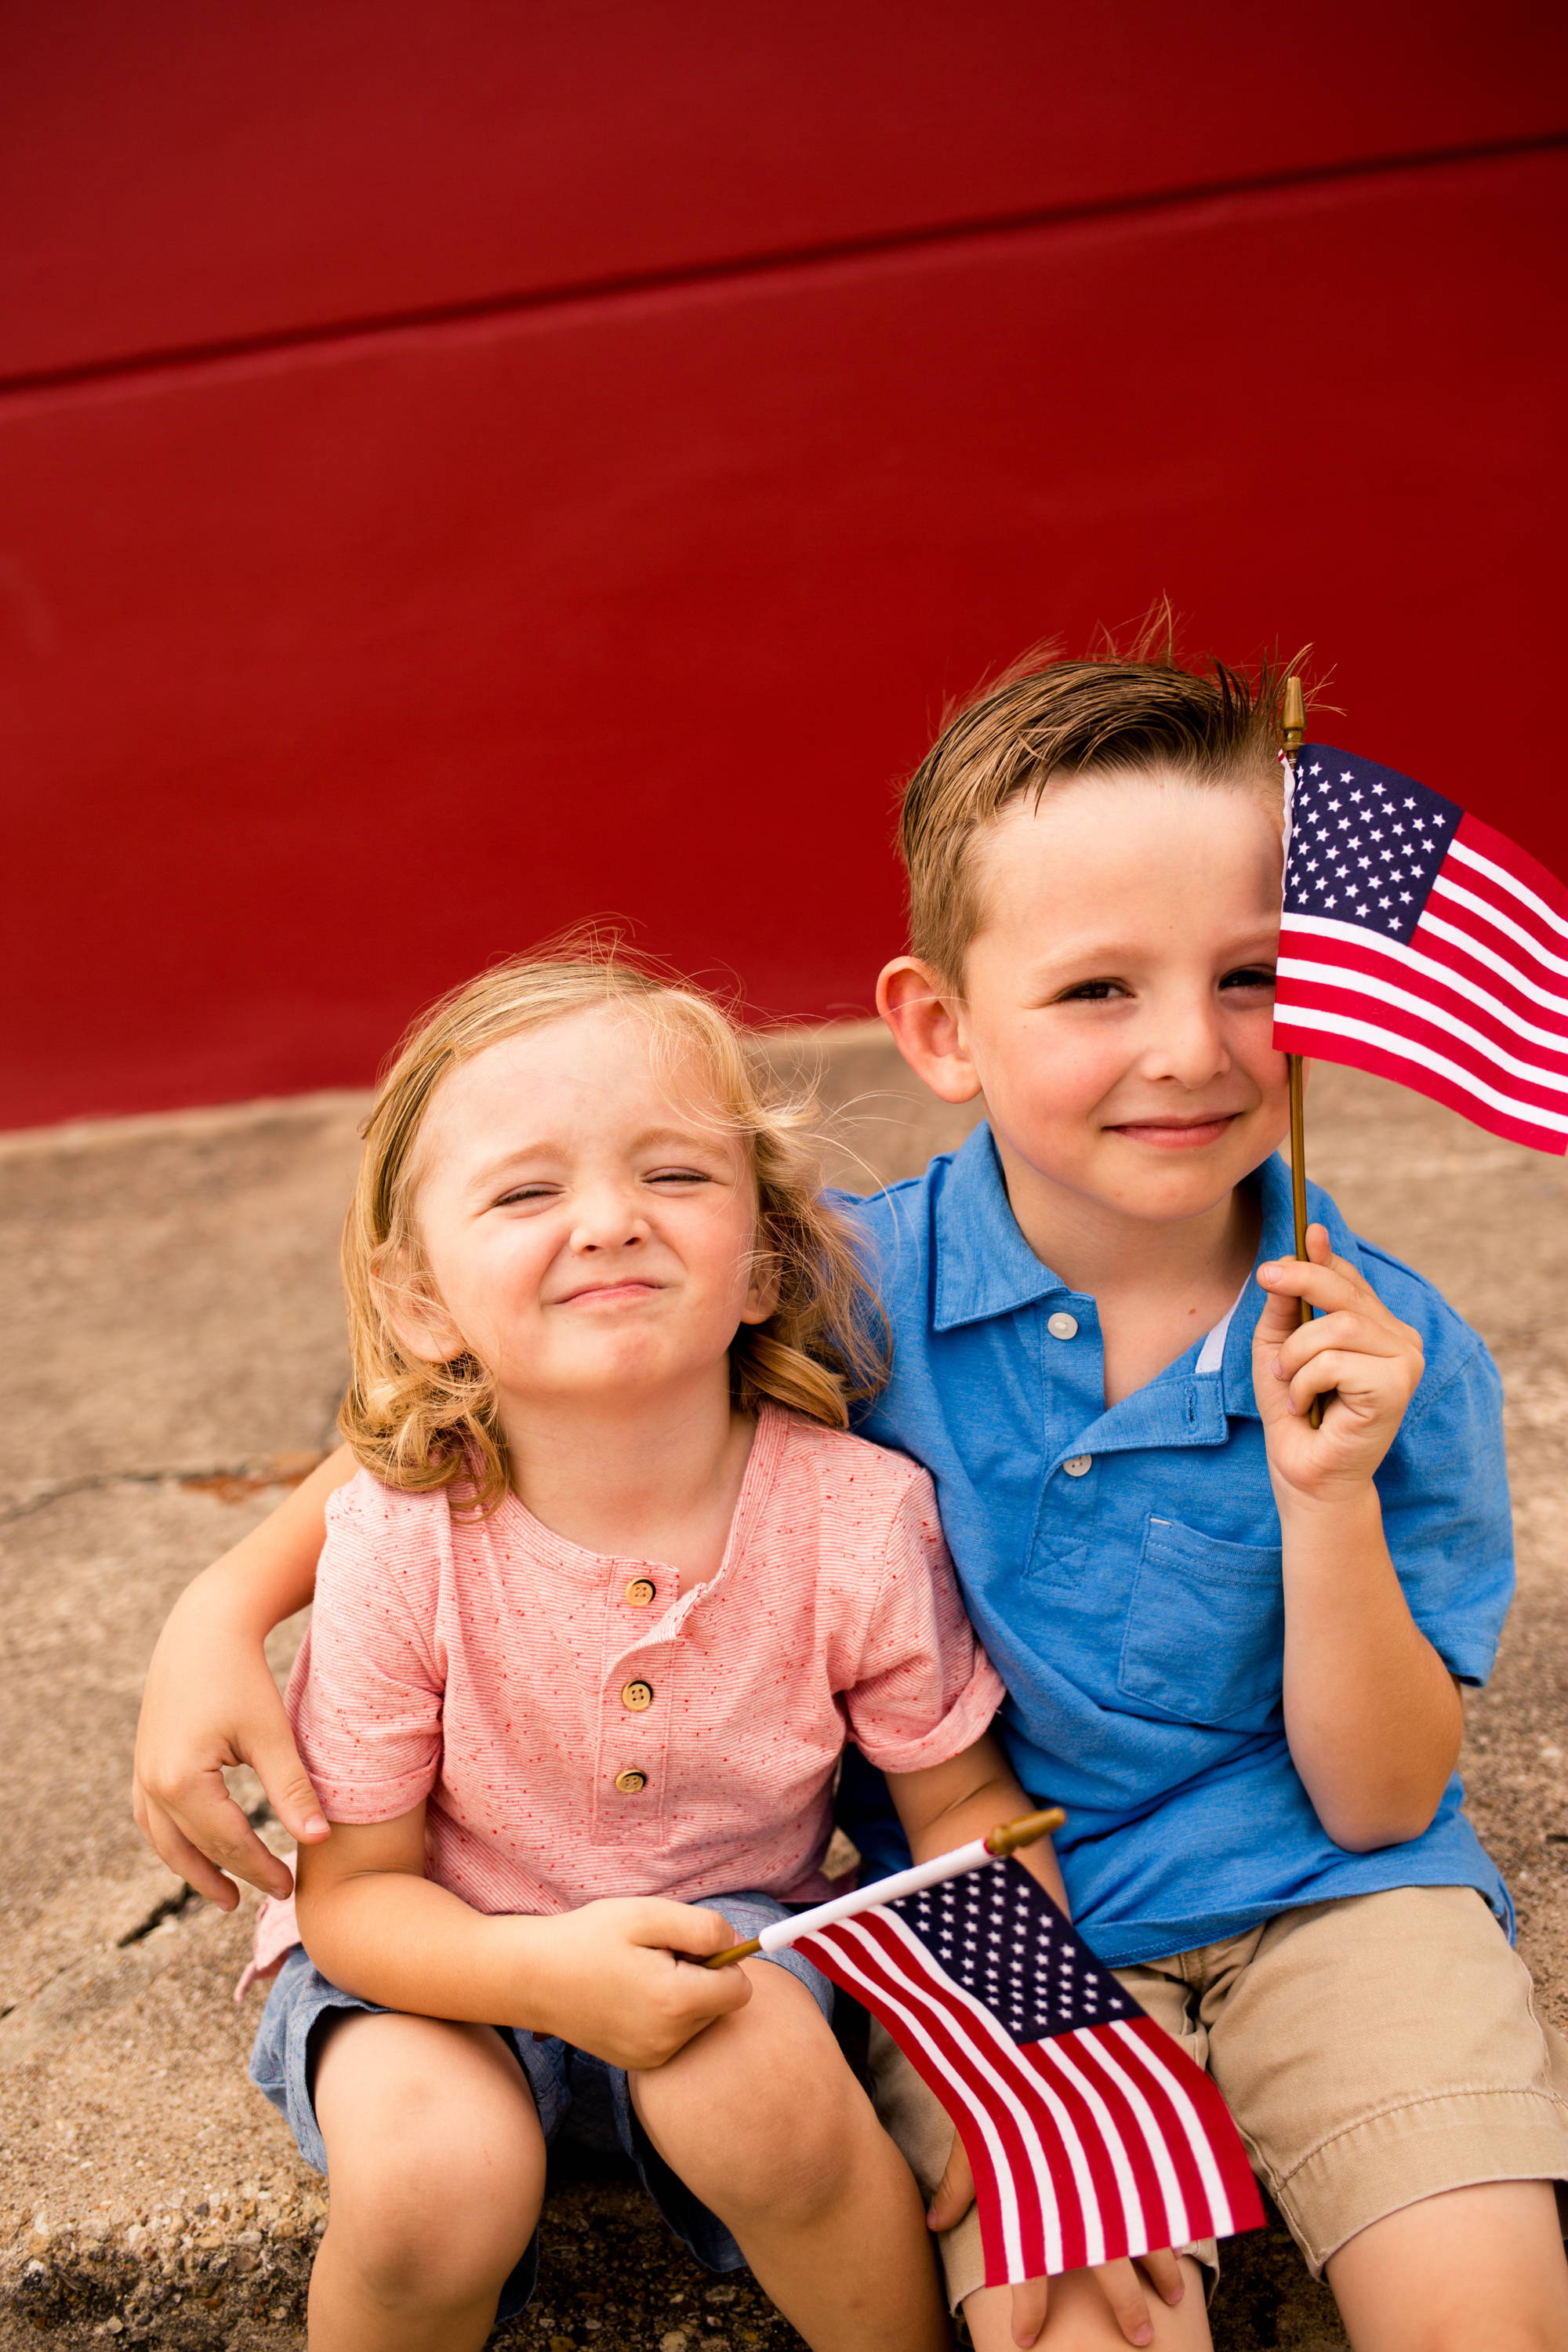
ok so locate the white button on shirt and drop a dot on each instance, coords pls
(1078, 1465)
(1062, 1326)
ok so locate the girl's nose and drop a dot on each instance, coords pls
(608, 1218)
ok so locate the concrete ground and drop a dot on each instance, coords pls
(174, 1357)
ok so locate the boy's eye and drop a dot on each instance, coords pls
(1249, 975)
(1092, 991)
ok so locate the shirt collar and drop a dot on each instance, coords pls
(984, 1268)
(983, 1265)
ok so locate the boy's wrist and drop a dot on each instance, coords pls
(1344, 1510)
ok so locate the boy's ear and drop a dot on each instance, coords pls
(420, 1323)
(924, 1015)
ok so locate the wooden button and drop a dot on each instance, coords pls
(630, 1784)
(636, 1695)
(640, 1592)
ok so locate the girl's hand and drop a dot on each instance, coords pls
(211, 1701)
(606, 1979)
(1354, 1348)
(1122, 2283)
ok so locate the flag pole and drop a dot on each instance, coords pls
(1294, 727)
(1005, 1839)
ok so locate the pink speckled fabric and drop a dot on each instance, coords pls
(480, 1664)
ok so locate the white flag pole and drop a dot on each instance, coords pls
(1005, 1839)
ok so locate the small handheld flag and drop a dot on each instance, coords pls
(1422, 946)
(1089, 2131)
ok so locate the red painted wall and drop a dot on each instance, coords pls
(466, 469)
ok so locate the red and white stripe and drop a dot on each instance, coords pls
(1089, 2145)
(1472, 1010)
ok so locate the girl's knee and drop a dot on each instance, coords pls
(421, 2234)
(436, 2163)
(783, 2137)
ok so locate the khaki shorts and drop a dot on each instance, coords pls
(1374, 2051)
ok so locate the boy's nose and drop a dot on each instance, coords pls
(1188, 1044)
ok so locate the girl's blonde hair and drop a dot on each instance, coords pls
(421, 1425)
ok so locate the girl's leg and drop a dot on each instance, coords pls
(762, 2120)
(1473, 2266)
(436, 2166)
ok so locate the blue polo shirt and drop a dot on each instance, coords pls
(1123, 1568)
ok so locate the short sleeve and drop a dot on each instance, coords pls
(365, 1694)
(1445, 1514)
(925, 1690)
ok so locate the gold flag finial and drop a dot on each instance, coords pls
(1295, 720)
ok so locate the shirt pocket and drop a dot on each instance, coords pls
(1204, 1637)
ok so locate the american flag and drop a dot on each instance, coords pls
(1418, 943)
(1090, 2133)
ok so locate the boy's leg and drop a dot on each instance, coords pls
(436, 2172)
(762, 2120)
(1494, 2254)
(1406, 2109)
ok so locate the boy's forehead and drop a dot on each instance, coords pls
(1094, 846)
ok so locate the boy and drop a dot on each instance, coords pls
(1232, 1655)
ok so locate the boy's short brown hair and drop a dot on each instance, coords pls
(1056, 720)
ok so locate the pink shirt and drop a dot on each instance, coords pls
(520, 1684)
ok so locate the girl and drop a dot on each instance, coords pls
(591, 1624)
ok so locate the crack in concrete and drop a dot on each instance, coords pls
(228, 1482)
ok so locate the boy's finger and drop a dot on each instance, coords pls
(1352, 1333)
(208, 1818)
(1326, 1287)
(1123, 2291)
(178, 1855)
(1325, 1375)
(1162, 2269)
(954, 2192)
(289, 1787)
(1029, 2299)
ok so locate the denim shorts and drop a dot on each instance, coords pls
(577, 2094)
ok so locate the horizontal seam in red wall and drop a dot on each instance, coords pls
(741, 268)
